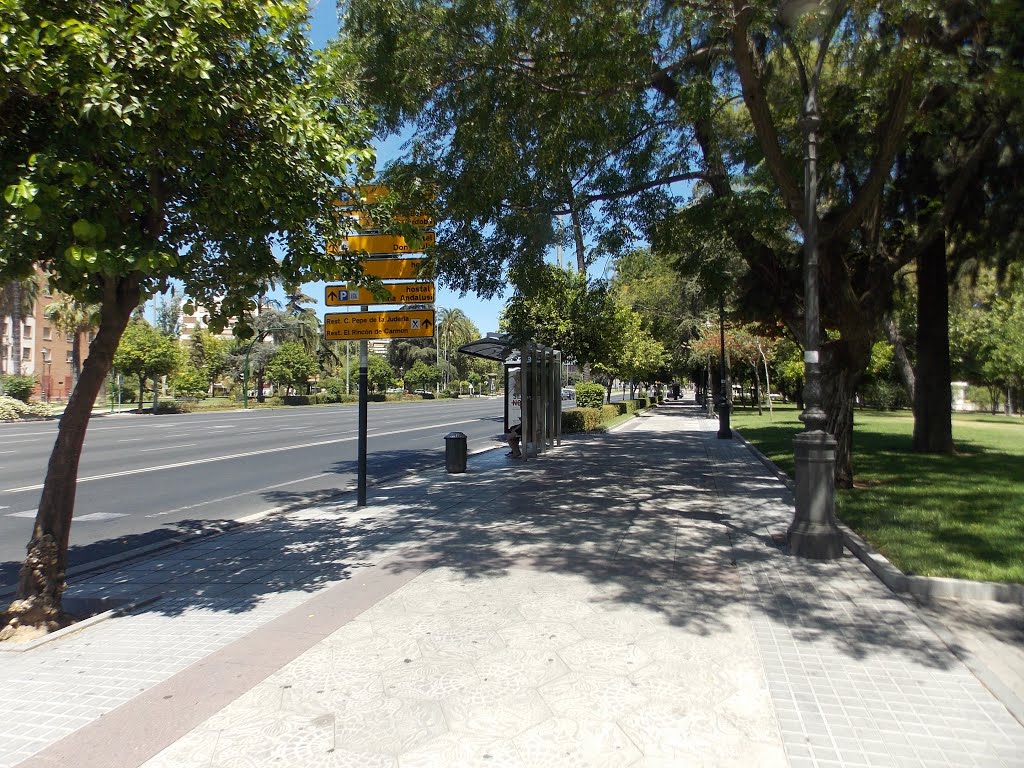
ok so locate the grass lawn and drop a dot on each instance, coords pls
(960, 516)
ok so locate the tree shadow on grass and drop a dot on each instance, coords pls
(674, 524)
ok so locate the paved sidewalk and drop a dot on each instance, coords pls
(617, 602)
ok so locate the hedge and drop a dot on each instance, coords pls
(609, 412)
(589, 395)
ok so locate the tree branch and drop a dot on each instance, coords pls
(891, 133)
(760, 113)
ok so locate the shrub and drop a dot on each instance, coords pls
(609, 412)
(296, 399)
(12, 409)
(190, 383)
(589, 395)
(621, 407)
(572, 421)
(19, 387)
(581, 420)
(884, 395)
(176, 406)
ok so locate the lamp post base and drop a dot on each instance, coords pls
(814, 532)
(724, 426)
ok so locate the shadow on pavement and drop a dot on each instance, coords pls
(672, 522)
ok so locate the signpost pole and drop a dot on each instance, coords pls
(361, 472)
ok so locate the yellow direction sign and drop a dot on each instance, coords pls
(398, 293)
(393, 324)
(365, 220)
(387, 243)
(395, 269)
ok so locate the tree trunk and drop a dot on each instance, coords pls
(843, 366)
(933, 421)
(260, 398)
(757, 389)
(76, 359)
(41, 581)
(899, 353)
(142, 390)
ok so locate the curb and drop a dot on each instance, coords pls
(924, 588)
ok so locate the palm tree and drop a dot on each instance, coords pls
(454, 328)
(72, 317)
(18, 299)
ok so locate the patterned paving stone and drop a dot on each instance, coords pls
(491, 710)
(463, 750)
(584, 743)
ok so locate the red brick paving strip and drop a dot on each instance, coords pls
(141, 728)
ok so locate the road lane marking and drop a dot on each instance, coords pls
(26, 513)
(168, 447)
(132, 439)
(238, 495)
(230, 456)
(96, 517)
(6, 451)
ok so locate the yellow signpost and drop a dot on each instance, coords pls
(396, 269)
(387, 243)
(398, 293)
(365, 221)
(390, 324)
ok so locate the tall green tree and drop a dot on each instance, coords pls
(624, 102)
(379, 374)
(292, 366)
(145, 352)
(146, 143)
(567, 311)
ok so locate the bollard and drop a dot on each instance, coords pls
(455, 452)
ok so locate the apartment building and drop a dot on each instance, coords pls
(200, 320)
(45, 351)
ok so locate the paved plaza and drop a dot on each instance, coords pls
(621, 601)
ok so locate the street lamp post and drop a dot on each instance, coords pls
(245, 371)
(814, 532)
(724, 428)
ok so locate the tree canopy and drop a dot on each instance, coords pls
(201, 142)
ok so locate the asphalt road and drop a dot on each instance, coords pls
(144, 479)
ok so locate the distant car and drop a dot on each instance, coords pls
(568, 394)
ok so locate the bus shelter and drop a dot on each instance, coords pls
(533, 388)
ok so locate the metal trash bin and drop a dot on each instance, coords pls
(455, 452)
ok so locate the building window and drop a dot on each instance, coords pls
(46, 354)
(26, 354)
(67, 358)
(47, 333)
(70, 338)
(26, 331)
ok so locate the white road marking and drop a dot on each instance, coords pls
(26, 513)
(96, 517)
(132, 439)
(237, 495)
(168, 447)
(230, 456)
(6, 451)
